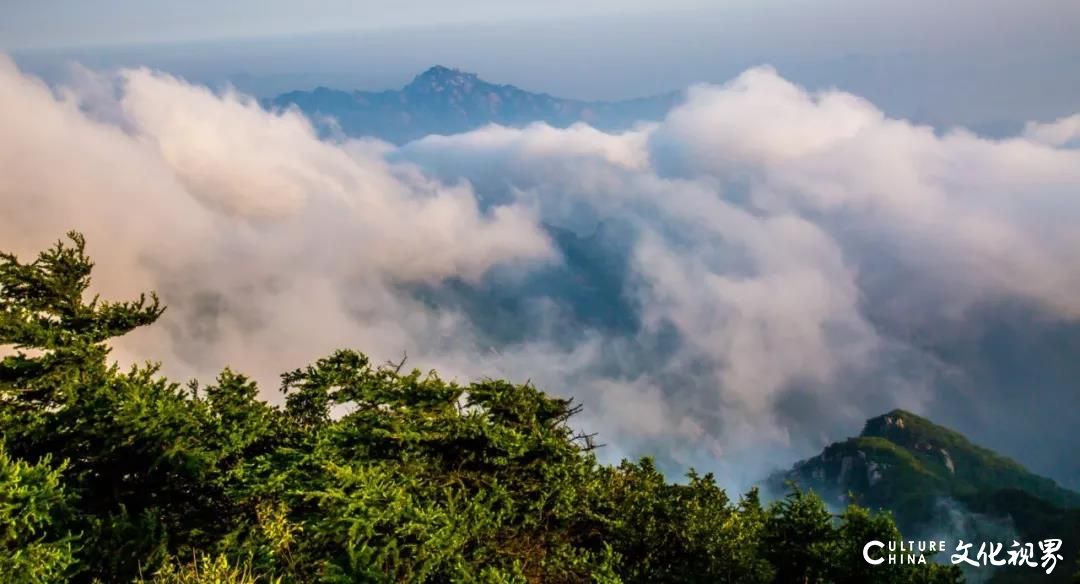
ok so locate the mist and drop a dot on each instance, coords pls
(730, 288)
(989, 65)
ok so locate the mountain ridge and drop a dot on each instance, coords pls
(934, 480)
(902, 447)
(446, 100)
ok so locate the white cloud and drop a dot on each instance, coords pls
(774, 224)
(1061, 132)
(760, 234)
(269, 245)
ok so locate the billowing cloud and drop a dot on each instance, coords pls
(728, 288)
(240, 217)
(1061, 132)
(818, 260)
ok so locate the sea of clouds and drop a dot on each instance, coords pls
(729, 288)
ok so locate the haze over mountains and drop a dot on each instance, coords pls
(444, 101)
(983, 64)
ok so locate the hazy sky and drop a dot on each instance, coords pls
(986, 64)
(67, 23)
(829, 24)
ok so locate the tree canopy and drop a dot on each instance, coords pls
(367, 473)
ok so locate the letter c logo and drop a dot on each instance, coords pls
(866, 552)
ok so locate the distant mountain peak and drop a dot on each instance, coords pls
(439, 78)
(445, 100)
(443, 71)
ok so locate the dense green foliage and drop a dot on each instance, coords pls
(973, 469)
(368, 473)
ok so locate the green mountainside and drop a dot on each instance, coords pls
(933, 478)
(902, 458)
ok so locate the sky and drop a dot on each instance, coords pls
(75, 23)
(823, 25)
(986, 64)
